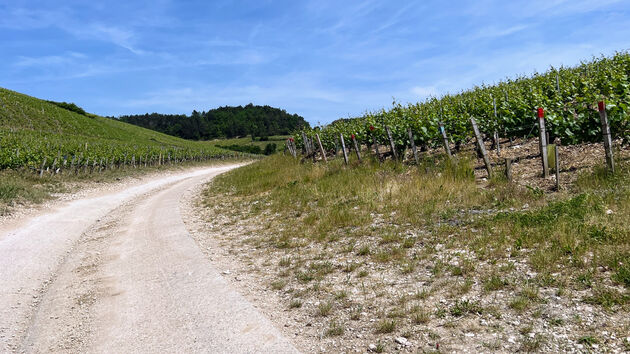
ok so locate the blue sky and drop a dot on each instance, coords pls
(321, 59)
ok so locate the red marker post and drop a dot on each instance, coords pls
(543, 141)
(606, 135)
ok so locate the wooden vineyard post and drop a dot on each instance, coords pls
(391, 142)
(321, 147)
(304, 144)
(378, 154)
(508, 169)
(606, 134)
(289, 147)
(305, 148)
(343, 147)
(543, 142)
(445, 139)
(557, 168)
(356, 147)
(41, 170)
(413, 145)
(313, 149)
(482, 148)
(294, 148)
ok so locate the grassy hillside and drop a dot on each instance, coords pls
(389, 250)
(35, 133)
(19, 112)
(46, 149)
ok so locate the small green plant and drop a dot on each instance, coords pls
(285, 262)
(304, 277)
(409, 242)
(622, 275)
(341, 295)
(421, 294)
(421, 316)
(355, 314)
(334, 329)
(407, 267)
(530, 292)
(440, 312)
(295, 303)
(364, 250)
(607, 298)
(278, 284)
(463, 307)
(519, 304)
(350, 267)
(324, 309)
(532, 344)
(588, 340)
(385, 326)
(494, 283)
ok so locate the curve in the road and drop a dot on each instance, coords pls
(120, 273)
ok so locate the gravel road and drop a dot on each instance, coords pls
(120, 273)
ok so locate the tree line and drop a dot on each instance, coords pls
(223, 122)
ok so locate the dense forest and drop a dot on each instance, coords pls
(223, 122)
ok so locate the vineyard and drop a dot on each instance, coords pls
(41, 136)
(507, 110)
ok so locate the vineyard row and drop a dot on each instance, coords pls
(25, 150)
(508, 109)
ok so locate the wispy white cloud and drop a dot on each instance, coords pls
(42, 61)
(218, 42)
(496, 32)
(21, 18)
(323, 59)
(116, 35)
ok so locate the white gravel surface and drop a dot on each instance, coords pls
(118, 272)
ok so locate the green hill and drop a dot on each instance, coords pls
(222, 122)
(35, 132)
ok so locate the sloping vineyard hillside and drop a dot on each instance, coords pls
(569, 97)
(40, 135)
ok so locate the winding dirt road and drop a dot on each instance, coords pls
(119, 273)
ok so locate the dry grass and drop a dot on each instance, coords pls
(417, 247)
